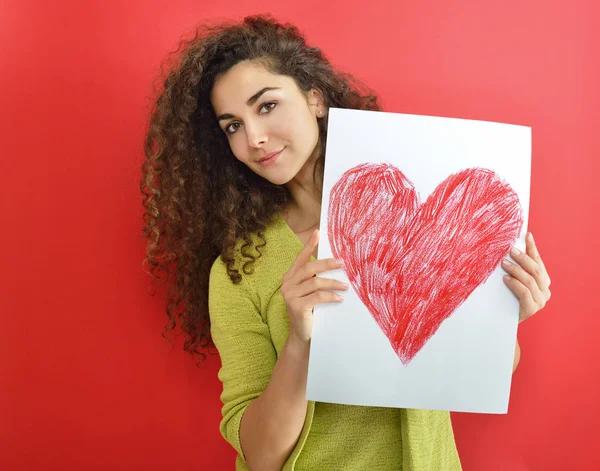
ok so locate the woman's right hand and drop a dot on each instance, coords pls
(302, 289)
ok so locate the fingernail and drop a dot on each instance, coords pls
(339, 262)
(506, 262)
(339, 298)
(345, 285)
(506, 277)
(531, 237)
(515, 251)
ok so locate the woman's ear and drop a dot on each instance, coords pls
(317, 103)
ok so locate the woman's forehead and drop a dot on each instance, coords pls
(243, 80)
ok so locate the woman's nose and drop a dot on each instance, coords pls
(256, 135)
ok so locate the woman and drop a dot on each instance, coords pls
(233, 198)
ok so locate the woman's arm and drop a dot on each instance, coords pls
(517, 356)
(272, 423)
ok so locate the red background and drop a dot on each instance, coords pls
(86, 381)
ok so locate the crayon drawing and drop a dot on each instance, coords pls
(413, 264)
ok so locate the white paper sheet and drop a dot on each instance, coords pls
(466, 365)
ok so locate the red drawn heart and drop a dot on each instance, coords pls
(413, 264)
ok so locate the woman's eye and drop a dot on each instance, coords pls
(232, 128)
(264, 109)
(268, 106)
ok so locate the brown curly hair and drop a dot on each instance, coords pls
(198, 198)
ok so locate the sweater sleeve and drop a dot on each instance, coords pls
(244, 343)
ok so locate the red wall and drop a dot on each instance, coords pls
(86, 380)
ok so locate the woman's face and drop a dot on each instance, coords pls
(271, 124)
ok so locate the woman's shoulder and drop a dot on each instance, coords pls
(265, 259)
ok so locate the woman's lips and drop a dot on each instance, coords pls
(271, 158)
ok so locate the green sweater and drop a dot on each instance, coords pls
(249, 326)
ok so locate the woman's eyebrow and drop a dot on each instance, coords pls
(257, 95)
(250, 101)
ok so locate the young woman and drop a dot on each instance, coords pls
(232, 181)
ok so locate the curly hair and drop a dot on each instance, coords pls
(199, 200)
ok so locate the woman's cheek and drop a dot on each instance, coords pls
(235, 143)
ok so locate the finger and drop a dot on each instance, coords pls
(527, 305)
(539, 271)
(526, 279)
(305, 254)
(535, 268)
(317, 283)
(526, 262)
(314, 268)
(531, 248)
(320, 297)
(543, 278)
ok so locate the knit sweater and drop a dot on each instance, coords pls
(250, 325)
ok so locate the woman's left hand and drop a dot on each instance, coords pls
(528, 279)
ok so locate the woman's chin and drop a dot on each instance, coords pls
(279, 176)
(278, 179)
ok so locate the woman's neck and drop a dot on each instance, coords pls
(304, 211)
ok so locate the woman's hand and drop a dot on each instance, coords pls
(302, 290)
(528, 279)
